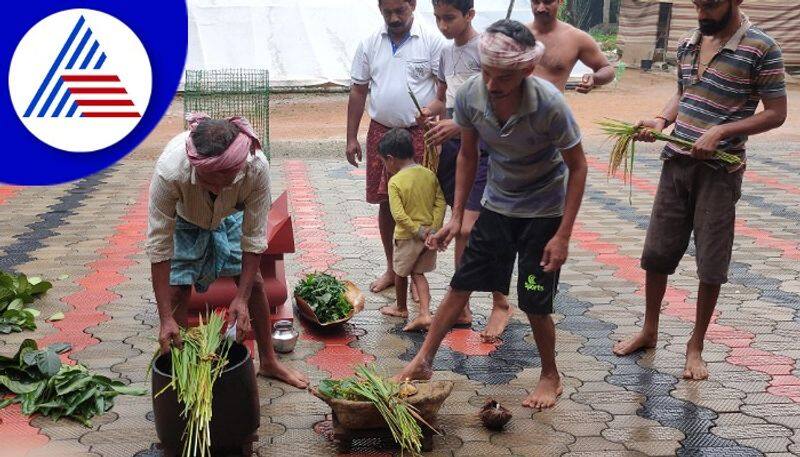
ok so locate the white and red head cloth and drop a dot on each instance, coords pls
(499, 50)
(220, 170)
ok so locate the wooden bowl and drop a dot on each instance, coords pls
(362, 415)
(352, 294)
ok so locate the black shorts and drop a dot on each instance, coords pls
(488, 260)
(447, 175)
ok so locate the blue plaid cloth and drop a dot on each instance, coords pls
(201, 256)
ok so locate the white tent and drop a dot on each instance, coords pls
(302, 42)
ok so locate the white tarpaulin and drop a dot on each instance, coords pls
(303, 42)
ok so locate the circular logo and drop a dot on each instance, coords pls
(80, 80)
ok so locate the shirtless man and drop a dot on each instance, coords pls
(564, 46)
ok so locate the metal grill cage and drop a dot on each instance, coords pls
(230, 92)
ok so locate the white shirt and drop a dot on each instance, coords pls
(415, 64)
(174, 190)
(457, 65)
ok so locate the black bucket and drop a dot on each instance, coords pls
(235, 408)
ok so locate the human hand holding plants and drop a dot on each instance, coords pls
(238, 313)
(706, 146)
(555, 253)
(442, 131)
(424, 117)
(195, 368)
(658, 124)
(169, 335)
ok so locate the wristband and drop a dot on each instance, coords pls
(667, 122)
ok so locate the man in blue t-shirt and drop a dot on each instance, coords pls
(537, 175)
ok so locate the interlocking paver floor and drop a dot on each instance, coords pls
(89, 234)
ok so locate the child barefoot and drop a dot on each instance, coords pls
(417, 205)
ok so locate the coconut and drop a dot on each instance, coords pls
(493, 415)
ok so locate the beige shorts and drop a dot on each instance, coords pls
(412, 256)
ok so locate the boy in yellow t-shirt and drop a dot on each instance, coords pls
(417, 204)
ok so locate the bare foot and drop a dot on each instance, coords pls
(384, 282)
(416, 370)
(635, 343)
(498, 320)
(284, 373)
(421, 322)
(695, 368)
(546, 393)
(393, 310)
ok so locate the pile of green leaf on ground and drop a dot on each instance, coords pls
(38, 380)
(15, 292)
(325, 295)
(389, 398)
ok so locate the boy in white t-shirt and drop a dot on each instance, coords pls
(459, 61)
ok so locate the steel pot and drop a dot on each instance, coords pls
(284, 336)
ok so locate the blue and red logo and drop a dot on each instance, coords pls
(80, 104)
(77, 72)
(82, 82)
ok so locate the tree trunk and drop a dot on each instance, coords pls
(606, 12)
(573, 13)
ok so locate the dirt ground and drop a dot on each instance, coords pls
(637, 95)
(322, 118)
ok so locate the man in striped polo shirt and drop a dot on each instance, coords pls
(725, 68)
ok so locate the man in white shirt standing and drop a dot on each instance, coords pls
(402, 54)
(207, 218)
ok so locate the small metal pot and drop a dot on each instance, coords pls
(284, 336)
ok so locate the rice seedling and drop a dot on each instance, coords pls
(388, 397)
(195, 368)
(623, 153)
(430, 159)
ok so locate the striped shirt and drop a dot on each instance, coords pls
(747, 69)
(174, 191)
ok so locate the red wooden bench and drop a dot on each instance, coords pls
(280, 241)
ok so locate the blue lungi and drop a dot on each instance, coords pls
(201, 256)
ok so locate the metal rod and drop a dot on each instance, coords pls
(510, 9)
(414, 98)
